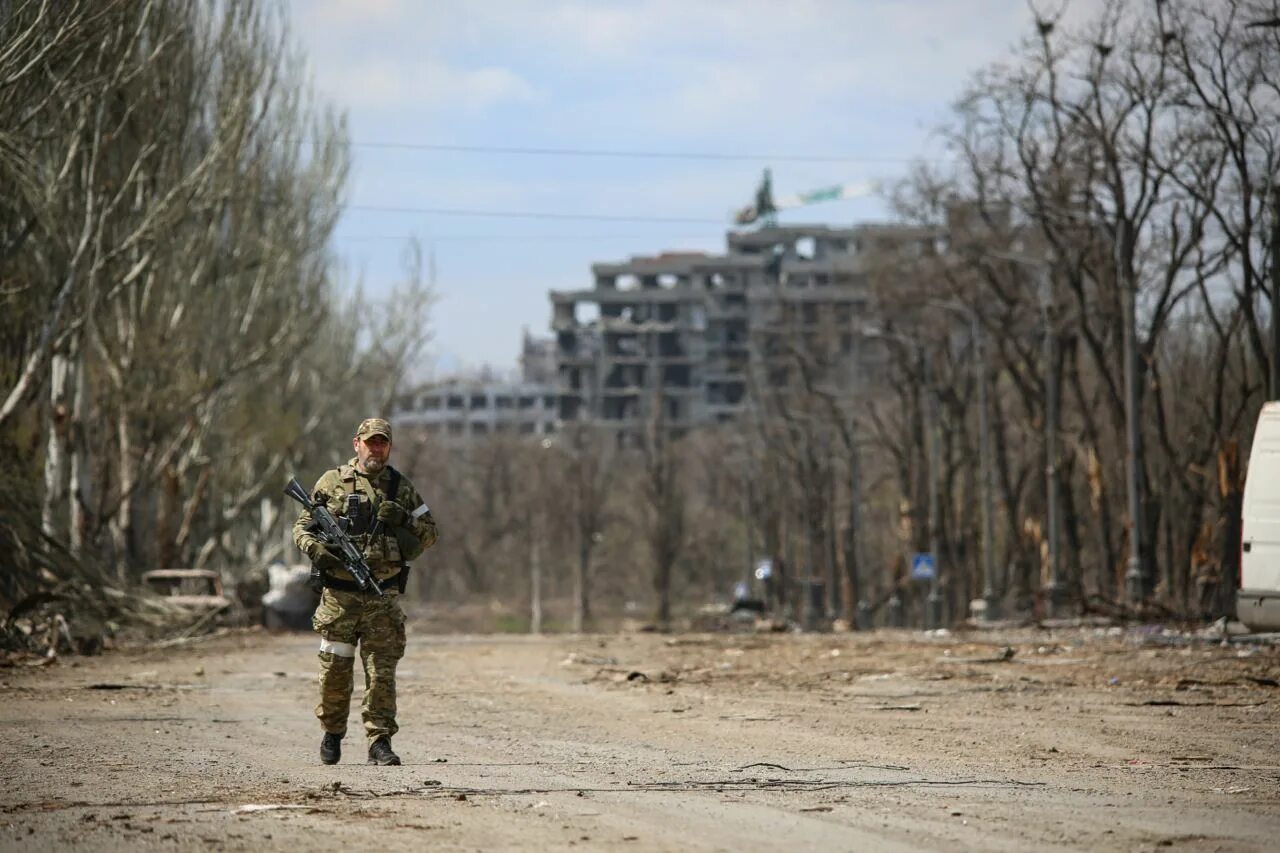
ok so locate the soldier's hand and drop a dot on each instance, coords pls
(324, 559)
(392, 514)
(328, 561)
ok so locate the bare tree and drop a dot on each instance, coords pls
(171, 324)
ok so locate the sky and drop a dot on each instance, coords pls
(733, 86)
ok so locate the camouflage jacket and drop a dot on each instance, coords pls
(389, 550)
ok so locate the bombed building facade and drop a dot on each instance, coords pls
(460, 411)
(687, 339)
(697, 334)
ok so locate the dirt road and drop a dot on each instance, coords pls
(640, 742)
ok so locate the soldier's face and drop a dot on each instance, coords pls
(372, 453)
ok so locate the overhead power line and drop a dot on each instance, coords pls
(636, 154)
(449, 238)
(527, 214)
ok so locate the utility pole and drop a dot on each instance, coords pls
(1053, 591)
(535, 522)
(989, 594)
(808, 616)
(535, 583)
(934, 601)
(862, 614)
(1135, 574)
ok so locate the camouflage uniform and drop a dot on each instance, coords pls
(377, 625)
(347, 619)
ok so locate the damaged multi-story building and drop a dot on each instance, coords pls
(461, 411)
(693, 332)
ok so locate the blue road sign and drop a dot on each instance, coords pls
(923, 566)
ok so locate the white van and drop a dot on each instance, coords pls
(1258, 602)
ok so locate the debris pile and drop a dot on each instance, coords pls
(79, 617)
(54, 603)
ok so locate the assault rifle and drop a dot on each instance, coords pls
(335, 538)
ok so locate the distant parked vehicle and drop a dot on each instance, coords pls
(198, 590)
(1258, 601)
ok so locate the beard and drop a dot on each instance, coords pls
(374, 466)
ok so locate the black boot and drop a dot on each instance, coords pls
(331, 748)
(380, 752)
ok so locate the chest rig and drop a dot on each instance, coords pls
(358, 515)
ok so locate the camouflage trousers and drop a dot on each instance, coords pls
(344, 621)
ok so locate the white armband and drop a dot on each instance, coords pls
(419, 512)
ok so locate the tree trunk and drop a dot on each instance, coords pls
(1230, 487)
(122, 532)
(835, 592)
(852, 590)
(166, 518)
(662, 586)
(582, 587)
(55, 463)
(78, 463)
(535, 582)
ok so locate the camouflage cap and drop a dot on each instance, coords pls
(373, 426)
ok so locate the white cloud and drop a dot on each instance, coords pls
(383, 83)
(345, 14)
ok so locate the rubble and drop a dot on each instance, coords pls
(53, 603)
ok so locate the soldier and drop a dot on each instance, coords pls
(388, 519)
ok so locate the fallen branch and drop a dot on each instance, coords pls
(1003, 656)
(692, 786)
(1175, 702)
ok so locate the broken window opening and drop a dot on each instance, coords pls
(677, 375)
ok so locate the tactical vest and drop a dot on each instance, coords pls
(359, 516)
